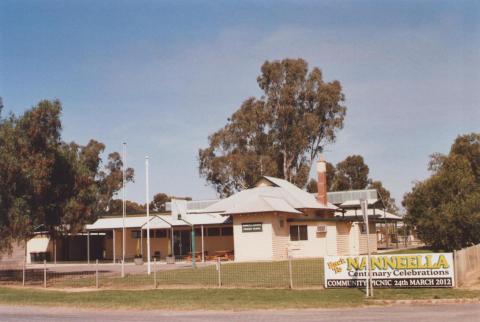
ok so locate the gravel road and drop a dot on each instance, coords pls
(432, 312)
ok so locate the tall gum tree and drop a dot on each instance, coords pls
(279, 134)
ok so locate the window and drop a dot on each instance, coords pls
(135, 234)
(282, 223)
(298, 232)
(252, 227)
(198, 231)
(215, 231)
(161, 233)
(227, 231)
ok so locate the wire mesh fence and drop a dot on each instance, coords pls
(293, 273)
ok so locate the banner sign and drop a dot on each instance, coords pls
(391, 271)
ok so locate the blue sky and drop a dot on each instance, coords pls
(164, 76)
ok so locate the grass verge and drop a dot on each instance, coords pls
(219, 299)
(186, 299)
(411, 251)
(305, 273)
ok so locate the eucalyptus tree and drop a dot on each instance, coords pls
(279, 134)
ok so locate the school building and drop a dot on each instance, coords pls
(272, 221)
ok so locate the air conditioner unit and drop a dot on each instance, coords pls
(321, 229)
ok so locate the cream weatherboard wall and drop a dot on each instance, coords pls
(372, 240)
(251, 246)
(280, 237)
(317, 244)
(343, 238)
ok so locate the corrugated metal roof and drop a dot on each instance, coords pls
(258, 204)
(356, 203)
(167, 221)
(207, 219)
(193, 205)
(158, 223)
(303, 198)
(377, 213)
(117, 222)
(338, 197)
(281, 196)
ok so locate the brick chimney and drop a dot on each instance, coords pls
(322, 181)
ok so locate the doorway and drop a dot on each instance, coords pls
(181, 242)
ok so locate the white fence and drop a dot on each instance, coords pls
(467, 263)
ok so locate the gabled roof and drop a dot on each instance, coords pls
(158, 221)
(270, 195)
(117, 222)
(304, 199)
(259, 203)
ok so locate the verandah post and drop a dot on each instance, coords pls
(45, 273)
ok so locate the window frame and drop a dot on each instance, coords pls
(301, 232)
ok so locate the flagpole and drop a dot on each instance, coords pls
(123, 205)
(148, 214)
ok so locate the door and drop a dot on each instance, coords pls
(181, 242)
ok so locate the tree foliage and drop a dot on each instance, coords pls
(131, 207)
(160, 199)
(279, 134)
(384, 195)
(445, 208)
(45, 182)
(351, 174)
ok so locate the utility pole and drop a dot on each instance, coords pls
(148, 215)
(369, 288)
(124, 209)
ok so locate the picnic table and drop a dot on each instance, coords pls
(224, 254)
(198, 256)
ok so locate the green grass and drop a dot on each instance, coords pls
(426, 293)
(218, 299)
(305, 273)
(411, 251)
(186, 299)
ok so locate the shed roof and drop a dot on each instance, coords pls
(375, 213)
(158, 221)
(117, 222)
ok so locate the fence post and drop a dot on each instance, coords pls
(290, 275)
(45, 273)
(455, 267)
(219, 269)
(23, 274)
(96, 273)
(155, 272)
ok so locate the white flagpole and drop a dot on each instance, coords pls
(124, 177)
(148, 214)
